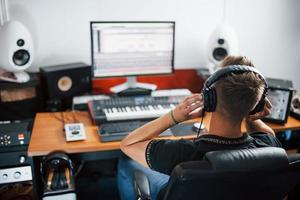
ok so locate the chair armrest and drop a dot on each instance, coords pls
(141, 185)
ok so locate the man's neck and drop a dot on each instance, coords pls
(221, 126)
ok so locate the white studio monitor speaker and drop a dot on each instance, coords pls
(16, 53)
(222, 42)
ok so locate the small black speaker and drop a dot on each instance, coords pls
(66, 81)
(295, 107)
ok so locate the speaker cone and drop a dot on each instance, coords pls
(296, 103)
(21, 57)
(64, 83)
(219, 53)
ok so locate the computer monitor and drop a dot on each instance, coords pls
(129, 49)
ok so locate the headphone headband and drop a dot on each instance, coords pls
(56, 155)
(209, 93)
(236, 69)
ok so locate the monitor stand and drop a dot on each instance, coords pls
(132, 87)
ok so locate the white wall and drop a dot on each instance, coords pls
(268, 30)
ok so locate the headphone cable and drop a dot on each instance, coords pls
(200, 127)
(61, 119)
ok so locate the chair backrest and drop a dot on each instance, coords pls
(262, 173)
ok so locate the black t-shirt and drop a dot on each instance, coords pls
(164, 155)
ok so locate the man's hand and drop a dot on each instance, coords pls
(191, 107)
(266, 111)
(254, 124)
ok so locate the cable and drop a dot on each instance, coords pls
(61, 119)
(193, 156)
(200, 127)
(4, 12)
(74, 117)
(80, 167)
(1, 15)
(65, 119)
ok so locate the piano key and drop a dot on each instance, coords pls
(131, 108)
(140, 112)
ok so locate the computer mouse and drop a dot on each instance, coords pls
(196, 126)
(17, 77)
(21, 77)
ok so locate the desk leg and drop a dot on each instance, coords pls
(36, 178)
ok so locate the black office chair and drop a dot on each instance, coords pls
(248, 174)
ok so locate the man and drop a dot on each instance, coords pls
(236, 93)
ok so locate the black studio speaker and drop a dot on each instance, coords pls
(66, 81)
(295, 106)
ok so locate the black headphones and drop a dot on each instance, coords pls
(209, 92)
(57, 161)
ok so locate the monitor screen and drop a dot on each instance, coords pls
(132, 48)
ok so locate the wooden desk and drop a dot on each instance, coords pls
(48, 135)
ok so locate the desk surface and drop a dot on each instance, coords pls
(47, 134)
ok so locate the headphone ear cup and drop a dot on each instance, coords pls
(55, 179)
(209, 95)
(205, 99)
(213, 99)
(62, 179)
(259, 107)
(261, 104)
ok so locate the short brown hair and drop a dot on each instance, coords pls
(237, 94)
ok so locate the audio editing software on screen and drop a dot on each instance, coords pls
(121, 49)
